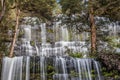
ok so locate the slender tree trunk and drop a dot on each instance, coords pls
(15, 34)
(3, 9)
(93, 32)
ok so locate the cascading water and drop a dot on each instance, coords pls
(46, 60)
(42, 68)
(65, 34)
(76, 69)
(27, 31)
(61, 69)
(26, 46)
(12, 68)
(43, 33)
(27, 68)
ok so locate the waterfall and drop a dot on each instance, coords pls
(65, 68)
(27, 32)
(56, 30)
(42, 67)
(27, 68)
(12, 68)
(76, 69)
(44, 59)
(37, 50)
(26, 48)
(65, 34)
(60, 66)
(43, 33)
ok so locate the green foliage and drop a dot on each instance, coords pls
(71, 6)
(50, 70)
(6, 25)
(82, 10)
(112, 41)
(102, 8)
(75, 13)
(73, 73)
(107, 8)
(113, 73)
(76, 55)
(84, 74)
(40, 8)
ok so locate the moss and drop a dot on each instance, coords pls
(92, 71)
(118, 45)
(50, 67)
(50, 31)
(112, 41)
(32, 43)
(48, 40)
(116, 76)
(106, 74)
(73, 73)
(93, 75)
(84, 74)
(21, 33)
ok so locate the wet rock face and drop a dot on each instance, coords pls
(111, 61)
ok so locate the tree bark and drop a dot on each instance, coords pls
(93, 32)
(15, 34)
(3, 9)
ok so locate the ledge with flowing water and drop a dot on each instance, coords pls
(50, 68)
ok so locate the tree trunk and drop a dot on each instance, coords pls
(3, 9)
(93, 32)
(15, 34)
